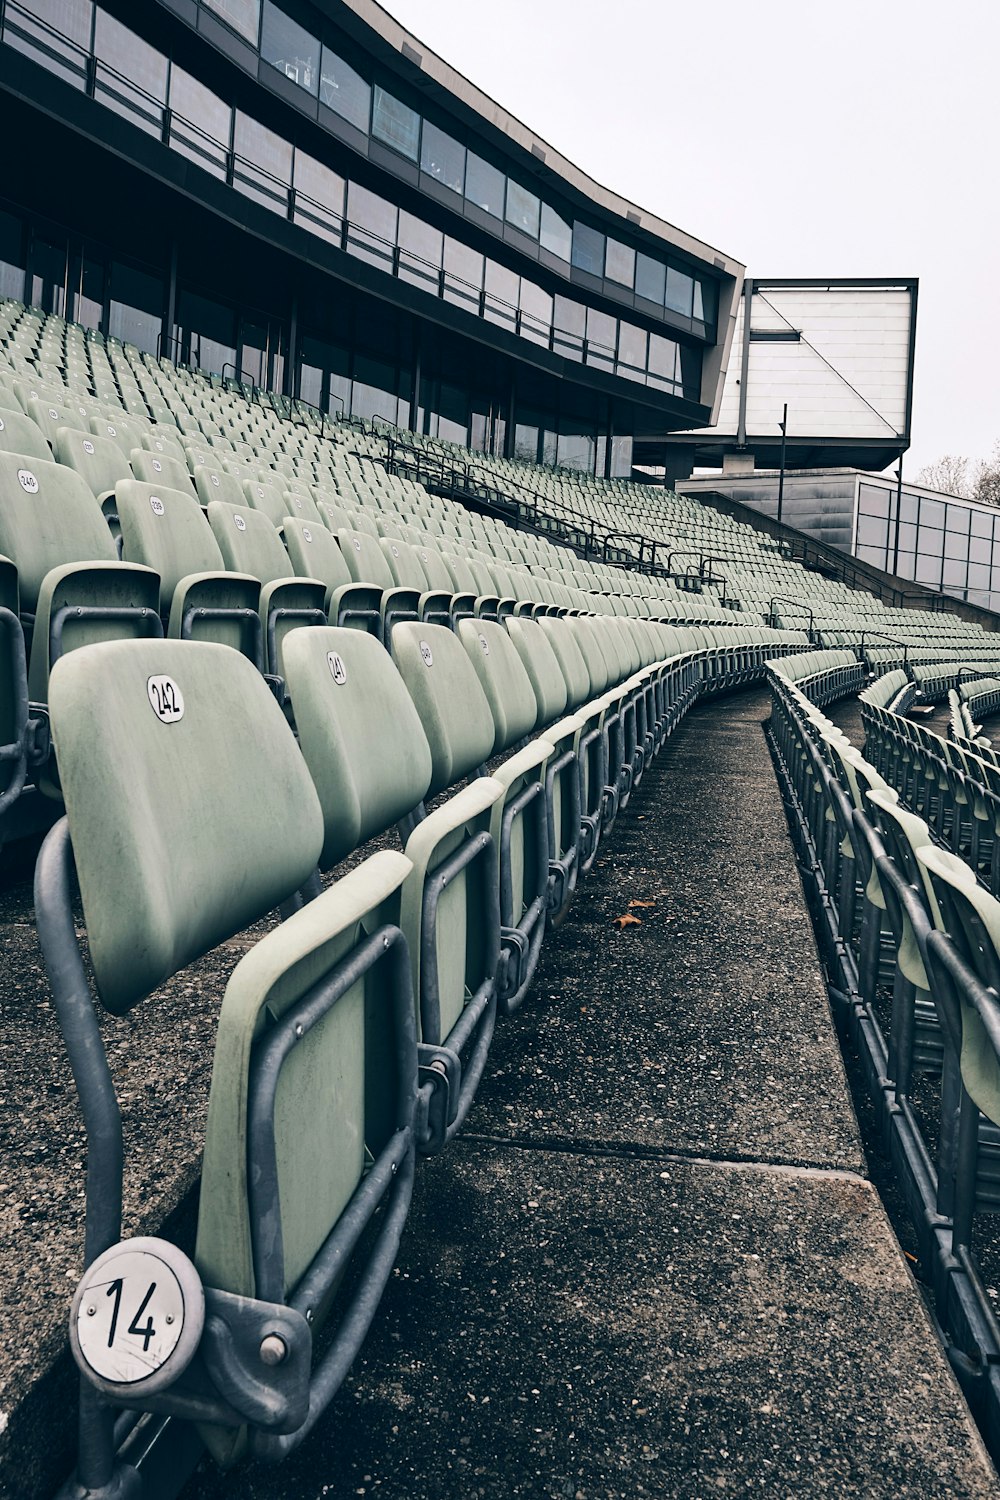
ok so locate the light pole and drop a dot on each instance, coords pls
(783, 424)
(899, 509)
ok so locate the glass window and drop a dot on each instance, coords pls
(690, 358)
(526, 443)
(263, 166)
(632, 350)
(500, 304)
(131, 76)
(372, 228)
(928, 570)
(243, 15)
(463, 275)
(869, 554)
(344, 91)
(979, 576)
(442, 157)
(981, 523)
(906, 565)
(958, 519)
(11, 257)
(873, 499)
(290, 48)
(873, 531)
(650, 278)
(522, 209)
(319, 198)
(955, 545)
(569, 321)
(954, 574)
(137, 301)
(89, 299)
(395, 124)
(931, 514)
(680, 292)
(907, 537)
(56, 33)
(420, 251)
(601, 331)
(663, 361)
(536, 313)
(484, 185)
(200, 123)
(556, 234)
(619, 262)
(588, 249)
(980, 549)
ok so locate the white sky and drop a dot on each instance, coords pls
(857, 138)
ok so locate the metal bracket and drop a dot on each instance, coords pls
(439, 1089)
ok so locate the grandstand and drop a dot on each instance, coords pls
(422, 1074)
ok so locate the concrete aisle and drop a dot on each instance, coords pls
(652, 1265)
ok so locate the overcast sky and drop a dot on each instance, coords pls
(805, 139)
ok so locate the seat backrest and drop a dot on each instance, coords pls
(248, 542)
(314, 553)
(215, 484)
(164, 443)
(560, 636)
(124, 431)
(191, 810)
(360, 734)
(268, 498)
(463, 578)
(157, 468)
(99, 461)
(452, 706)
(542, 666)
(435, 571)
(503, 679)
(365, 560)
(19, 434)
(48, 516)
(404, 563)
(166, 530)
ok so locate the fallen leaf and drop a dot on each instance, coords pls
(627, 921)
(640, 903)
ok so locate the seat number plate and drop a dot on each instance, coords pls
(138, 1311)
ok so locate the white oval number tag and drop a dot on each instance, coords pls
(427, 654)
(239, 523)
(337, 669)
(138, 1315)
(307, 535)
(156, 505)
(27, 481)
(485, 645)
(166, 699)
(357, 544)
(157, 466)
(88, 446)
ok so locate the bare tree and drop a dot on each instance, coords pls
(986, 478)
(950, 474)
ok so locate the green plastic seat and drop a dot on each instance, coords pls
(161, 468)
(310, 1118)
(215, 484)
(19, 434)
(372, 765)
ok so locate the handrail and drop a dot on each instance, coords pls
(882, 636)
(799, 604)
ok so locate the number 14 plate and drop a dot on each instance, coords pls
(137, 1316)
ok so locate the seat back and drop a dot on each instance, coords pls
(48, 516)
(452, 706)
(365, 560)
(248, 542)
(314, 553)
(160, 747)
(166, 530)
(503, 679)
(157, 468)
(215, 484)
(19, 434)
(542, 666)
(99, 461)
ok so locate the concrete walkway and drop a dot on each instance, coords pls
(652, 1265)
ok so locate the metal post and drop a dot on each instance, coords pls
(899, 507)
(781, 476)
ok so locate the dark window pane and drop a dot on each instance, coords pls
(372, 232)
(663, 361)
(536, 313)
(263, 167)
(344, 91)
(200, 122)
(601, 331)
(569, 322)
(89, 299)
(11, 257)
(130, 75)
(522, 209)
(650, 278)
(619, 263)
(420, 250)
(211, 328)
(556, 235)
(680, 292)
(395, 124)
(500, 304)
(588, 249)
(484, 185)
(319, 198)
(526, 443)
(242, 15)
(463, 275)
(442, 157)
(631, 350)
(290, 48)
(137, 301)
(56, 33)
(690, 359)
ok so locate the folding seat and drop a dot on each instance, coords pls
(156, 468)
(14, 747)
(368, 751)
(368, 565)
(215, 484)
(126, 431)
(49, 417)
(250, 545)
(99, 461)
(168, 531)
(164, 443)
(72, 587)
(19, 434)
(314, 553)
(434, 605)
(310, 1128)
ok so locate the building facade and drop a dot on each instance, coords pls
(303, 196)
